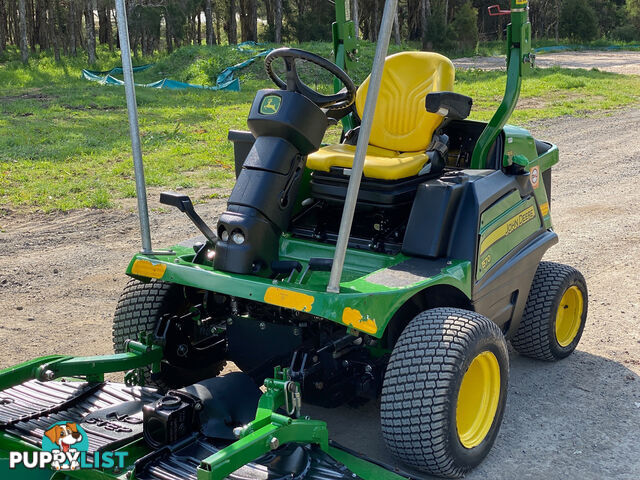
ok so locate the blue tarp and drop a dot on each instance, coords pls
(224, 81)
(564, 48)
(232, 84)
(227, 74)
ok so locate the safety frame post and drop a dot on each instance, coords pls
(134, 130)
(519, 56)
(361, 147)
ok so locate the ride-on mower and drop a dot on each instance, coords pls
(394, 265)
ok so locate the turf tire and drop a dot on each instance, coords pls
(139, 308)
(536, 335)
(421, 386)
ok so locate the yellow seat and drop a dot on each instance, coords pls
(378, 163)
(402, 127)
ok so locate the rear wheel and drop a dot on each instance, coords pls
(555, 314)
(445, 391)
(140, 308)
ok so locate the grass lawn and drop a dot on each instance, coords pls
(64, 141)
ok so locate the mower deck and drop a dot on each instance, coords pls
(111, 416)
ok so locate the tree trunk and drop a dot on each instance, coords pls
(199, 26)
(91, 32)
(425, 15)
(71, 28)
(208, 14)
(249, 20)
(218, 27)
(355, 18)
(557, 20)
(13, 31)
(232, 26)
(446, 13)
(300, 25)
(375, 22)
(168, 34)
(278, 22)
(253, 20)
(22, 11)
(3, 33)
(53, 34)
(396, 29)
(105, 33)
(270, 12)
(42, 31)
(31, 27)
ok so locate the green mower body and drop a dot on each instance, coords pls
(442, 266)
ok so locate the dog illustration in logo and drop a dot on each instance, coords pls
(64, 436)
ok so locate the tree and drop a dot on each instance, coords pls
(633, 11)
(208, 13)
(425, 14)
(354, 17)
(53, 31)
(3, 34)
(278, 21)
(231, 27)
(22, 12)
(249, 20)
(396, 29)
(578, 20)
(91, 32)
(465, 25)
(105, 33)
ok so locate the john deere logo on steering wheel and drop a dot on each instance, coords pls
(270, 105)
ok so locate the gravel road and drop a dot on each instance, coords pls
(627, 62)
(61, 274)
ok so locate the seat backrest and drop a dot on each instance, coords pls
(401, 121)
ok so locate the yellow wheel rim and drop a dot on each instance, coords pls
(478, 399)
(569, 316)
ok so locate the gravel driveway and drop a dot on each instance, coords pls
(61, 274)
(626, 62)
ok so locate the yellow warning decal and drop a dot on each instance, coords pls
(521, 2)
(507, 228)
(355, 319)
(544, 209)
(288, 299)
(145, 268)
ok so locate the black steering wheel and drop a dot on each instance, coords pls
(338, 101)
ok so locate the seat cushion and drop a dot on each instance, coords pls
(401, 121)
(379, 163)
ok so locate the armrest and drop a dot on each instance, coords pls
(449, 104)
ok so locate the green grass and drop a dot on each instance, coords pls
(64, 142)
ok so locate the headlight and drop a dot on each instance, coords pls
(237, 237)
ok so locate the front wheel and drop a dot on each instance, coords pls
(555, 313)
(445, 391)
(140, 308)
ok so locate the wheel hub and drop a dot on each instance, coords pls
(478, 399)
(569, 316)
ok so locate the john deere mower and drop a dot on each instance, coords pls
(392, 266)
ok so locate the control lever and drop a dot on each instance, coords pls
(316, 265)
(183, 203)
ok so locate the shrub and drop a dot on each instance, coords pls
(578, 21)
(625, 33)
(465, 25)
